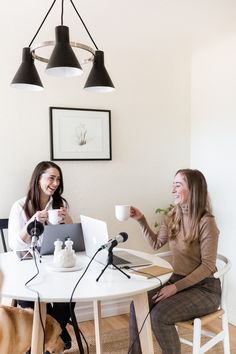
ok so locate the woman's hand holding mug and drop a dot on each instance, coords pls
(135, 213)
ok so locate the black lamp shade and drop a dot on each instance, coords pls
(63, 61)
(98, 79)
(27, 77)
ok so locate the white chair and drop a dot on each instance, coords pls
(197, 324)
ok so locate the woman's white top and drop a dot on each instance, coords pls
(17, 220)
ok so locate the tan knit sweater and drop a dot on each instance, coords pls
(196, 261)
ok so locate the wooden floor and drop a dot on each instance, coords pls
(108, 324)
(119, 322)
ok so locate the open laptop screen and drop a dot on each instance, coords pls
(62, 232)
(95, 235)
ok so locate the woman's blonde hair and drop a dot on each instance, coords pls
(198, 205)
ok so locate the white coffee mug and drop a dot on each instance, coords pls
(122, 212)
(53, 216)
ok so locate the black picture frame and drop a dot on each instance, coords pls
(80, 134)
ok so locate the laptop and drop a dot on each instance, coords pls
(61, 232)
(95, 235)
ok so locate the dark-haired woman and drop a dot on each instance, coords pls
(191, 232)
(45, 193)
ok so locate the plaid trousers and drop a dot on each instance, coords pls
(198, 300)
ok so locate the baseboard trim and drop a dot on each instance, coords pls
(84, 310)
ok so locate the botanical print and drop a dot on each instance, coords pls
(78, 134)
(81, 133)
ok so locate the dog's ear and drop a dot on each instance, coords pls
(52, 328)
(53, 341)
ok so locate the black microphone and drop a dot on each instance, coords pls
(35, 229)
(122, 237)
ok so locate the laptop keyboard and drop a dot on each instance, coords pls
(117, 260)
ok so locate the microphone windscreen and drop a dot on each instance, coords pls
(35, 228)
(124, 236)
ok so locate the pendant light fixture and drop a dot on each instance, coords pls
(63, 61)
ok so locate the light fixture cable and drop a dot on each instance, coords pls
(85, 27)
(62, 22)
(42, 23)
(62, 12)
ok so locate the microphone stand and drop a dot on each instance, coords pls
(34, 229)
(110, 262)
(33, 250)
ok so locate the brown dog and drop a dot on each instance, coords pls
(16, 331)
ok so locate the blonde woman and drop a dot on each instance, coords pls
(192, 234)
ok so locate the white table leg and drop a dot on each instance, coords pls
(97, 325)
(141, 310)
(37, 331)
(7, 301)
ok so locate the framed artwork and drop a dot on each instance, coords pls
(80, 134)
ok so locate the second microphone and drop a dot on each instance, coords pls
(121, 237)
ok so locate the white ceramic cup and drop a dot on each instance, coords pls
(122, 212)
(53, 216)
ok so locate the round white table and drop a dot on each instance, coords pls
(54, 286)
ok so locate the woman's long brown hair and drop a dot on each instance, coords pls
(198, 204)
(32, 203)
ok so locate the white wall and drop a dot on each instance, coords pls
(149, 110)
(213, 111)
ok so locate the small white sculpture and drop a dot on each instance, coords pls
(64, 257)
